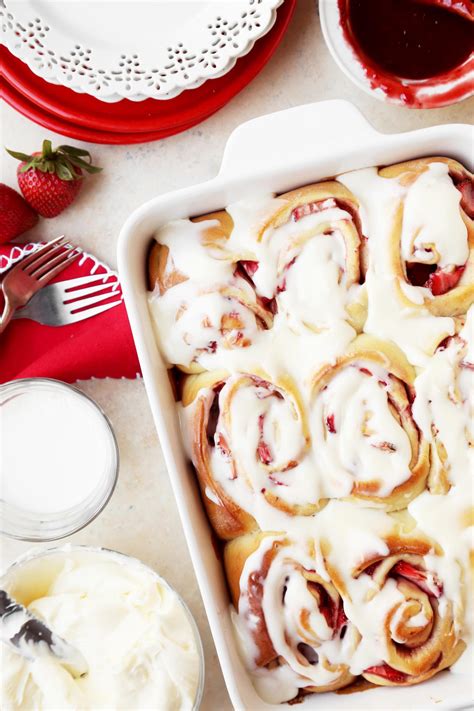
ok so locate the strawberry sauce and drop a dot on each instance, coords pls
(409, 47)
(409, 38)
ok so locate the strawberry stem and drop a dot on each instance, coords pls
(67, 162)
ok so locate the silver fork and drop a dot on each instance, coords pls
(72, 300)
(33, 273)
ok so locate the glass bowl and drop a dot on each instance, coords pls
(43, 560)
(29, 521)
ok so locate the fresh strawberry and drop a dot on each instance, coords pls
(50, 180)
(16, 216)
(387, 672)
(442, 280)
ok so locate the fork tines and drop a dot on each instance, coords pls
(49, 260)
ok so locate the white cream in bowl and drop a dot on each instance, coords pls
(58, 459)
(138, 638)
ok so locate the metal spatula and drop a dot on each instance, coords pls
(29, 636)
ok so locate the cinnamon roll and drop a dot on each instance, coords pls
(201, 301)
(250, 445)
(310, 257)
(366, 442)
(444, 409)
(392, 593)
(432, 241)
(295, 634)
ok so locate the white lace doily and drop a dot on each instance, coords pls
(133, 49)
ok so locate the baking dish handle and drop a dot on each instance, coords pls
(270, 141)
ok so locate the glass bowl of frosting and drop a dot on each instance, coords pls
(59, 459)
(139, 639)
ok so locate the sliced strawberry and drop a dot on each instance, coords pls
(330, 423)
(419, 578)
(311, 207)
(387, 672)
(366, 371)
(249, 266)
(466, 188)
(442, 281)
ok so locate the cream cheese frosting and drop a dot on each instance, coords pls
(353, 430)
(130, 626)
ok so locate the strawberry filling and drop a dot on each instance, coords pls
(263, 450)
(438, 281)
(466, 188)
(268, 304)
(249, 266)
(330, 424)
(333, 614)
(341, 618)
(442, 281)
(372, 568)
(387, 672)
(419, 577)
(311, 207)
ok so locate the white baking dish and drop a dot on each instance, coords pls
(273, 153)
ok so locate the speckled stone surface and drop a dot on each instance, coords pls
(141, 519)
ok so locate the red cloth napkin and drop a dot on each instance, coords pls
(97, 347)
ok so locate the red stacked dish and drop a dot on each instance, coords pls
(86, 118)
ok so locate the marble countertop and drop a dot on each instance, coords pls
(141, 518)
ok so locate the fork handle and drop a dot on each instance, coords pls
(8, 311)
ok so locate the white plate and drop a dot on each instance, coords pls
(314, 141)
(134, 49)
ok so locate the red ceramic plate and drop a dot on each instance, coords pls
(81, 133)
(86, 118)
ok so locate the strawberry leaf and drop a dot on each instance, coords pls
(72, 150)
(67, 162)
(18, 155)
